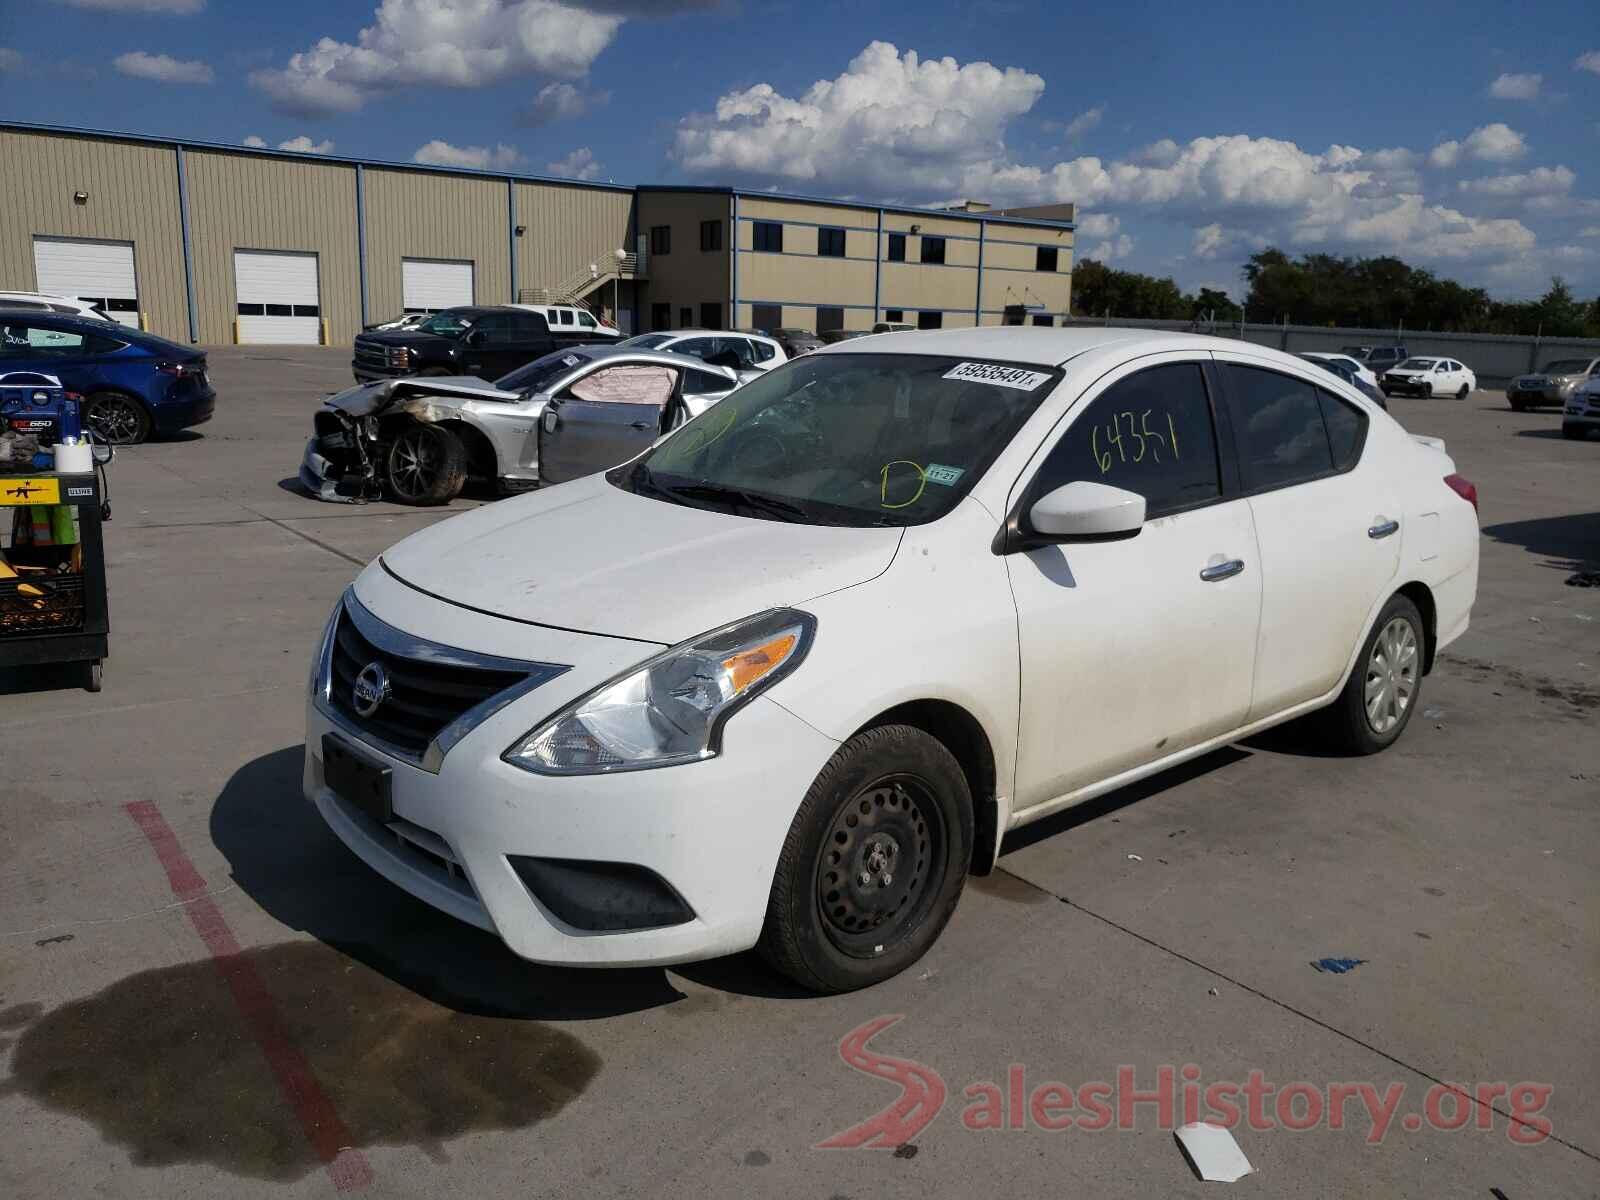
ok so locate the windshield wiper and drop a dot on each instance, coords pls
(715, 492)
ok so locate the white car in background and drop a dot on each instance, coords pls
(787, 677)
(1427, 377)
(1355, 365)
(1580, 416)
(565, 319)
(44, 302)
(744, 352)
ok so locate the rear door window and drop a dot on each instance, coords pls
(1150, 433)
(1283, 436)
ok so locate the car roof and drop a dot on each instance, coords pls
(665, 357)
(1022, 343)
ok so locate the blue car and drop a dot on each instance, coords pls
(134, 385)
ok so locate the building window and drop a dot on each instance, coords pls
(766, 317)
(661, 316)
(830, 243)
(1044, 258)
(769, 237)
(711, 315)
(897, 247)
(933, 251)
(710, 235)
(829, 318)
(661, 239)
(1044, 319)
(930, 320)
(897, 315)
(686, 317)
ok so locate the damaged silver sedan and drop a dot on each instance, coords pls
(576, 411)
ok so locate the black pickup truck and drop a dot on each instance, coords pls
(484, 341)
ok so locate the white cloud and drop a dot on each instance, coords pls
(1112, 248)
(442, 154)
(1488, 143)
(562, 102)
(440, 43)
(1588, 62)
(1098, 225)
(255, 142)
(891, 123)
(1590, 231)
(1512, 86)
(1541, 181)
(1208, 241)
(580, 164)
(305, 145)
(10, 60)
(175, 7)
(1084, 121)
(163, 68)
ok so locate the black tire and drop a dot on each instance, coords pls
(426, 465)
(92, 682)
(1347, 723)
(515, 487)
(118, 419)
(1518, 405)
(887, 795)
(433, 372)
(1464, 392)
(1427, 391)
(1574, 433)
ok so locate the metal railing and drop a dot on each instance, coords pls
(575, 287)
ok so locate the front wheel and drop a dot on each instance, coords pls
(873, 864)
(117, 419)
(1518, 406)
(1385, 686)
(427, 465)
(1427, 391)
(1574, 432)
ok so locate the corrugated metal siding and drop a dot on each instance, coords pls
(133, 197)
(238, 202)
(416, 215)
(567, 229)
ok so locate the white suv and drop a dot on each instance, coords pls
(44, 302)
(743, 352)
(565, 318)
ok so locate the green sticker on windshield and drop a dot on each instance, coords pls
(938, 473)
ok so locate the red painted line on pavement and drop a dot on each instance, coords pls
(319, 1120)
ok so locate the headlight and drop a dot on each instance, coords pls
(672, 708)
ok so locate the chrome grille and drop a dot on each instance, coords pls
(436, 694)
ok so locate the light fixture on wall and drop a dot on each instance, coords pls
(521, 229)
(80, 197)
(916, 229)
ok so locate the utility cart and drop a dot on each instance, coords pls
(52, 571)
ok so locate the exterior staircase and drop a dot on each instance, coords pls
(578, 286)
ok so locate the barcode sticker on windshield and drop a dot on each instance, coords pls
(1011, 377)
(939, 473)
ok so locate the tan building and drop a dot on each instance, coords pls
(212, 243)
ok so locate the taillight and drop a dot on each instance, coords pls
(178, 369)
(1464, 488)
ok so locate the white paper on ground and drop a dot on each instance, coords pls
(1214, 1152)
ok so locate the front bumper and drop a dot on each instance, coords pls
(711, 830)
(1405, 386)
(1539, 395)
(1582, 412)
(365, 372)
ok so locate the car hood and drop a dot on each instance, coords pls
(399, 337)
(591, 557)
(366, 398)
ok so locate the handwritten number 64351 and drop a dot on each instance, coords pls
(1139, 429)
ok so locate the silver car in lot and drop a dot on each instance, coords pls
(418, 440)
(1552, 386)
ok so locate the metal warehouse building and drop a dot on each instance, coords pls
(217, 244)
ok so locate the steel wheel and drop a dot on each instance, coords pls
(116, 419)
(880, 864)
(1391, 679)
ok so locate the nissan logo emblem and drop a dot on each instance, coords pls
(371, 689)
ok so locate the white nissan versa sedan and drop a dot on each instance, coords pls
(786, 678)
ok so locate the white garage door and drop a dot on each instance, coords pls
(429, 284)
(277, 296)
(99, 272)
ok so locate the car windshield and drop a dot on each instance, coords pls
(445, 324)
(1417, 364)
(647, 341)
(1568, 366)
(1337, 368)
(846, 439)
(538, 375)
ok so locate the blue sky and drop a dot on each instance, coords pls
(1458, 136)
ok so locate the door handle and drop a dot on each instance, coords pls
(1222, 570)
(642, 425)
(1382, 529)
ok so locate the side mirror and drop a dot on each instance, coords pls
(1086, 510)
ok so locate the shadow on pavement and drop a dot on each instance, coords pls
(1566, 543)
(287, 860)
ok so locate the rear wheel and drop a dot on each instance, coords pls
(1464, 392)
(874, 862)
(1383, 690)
(427, 465)
(1518, 405)
(115, 418)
